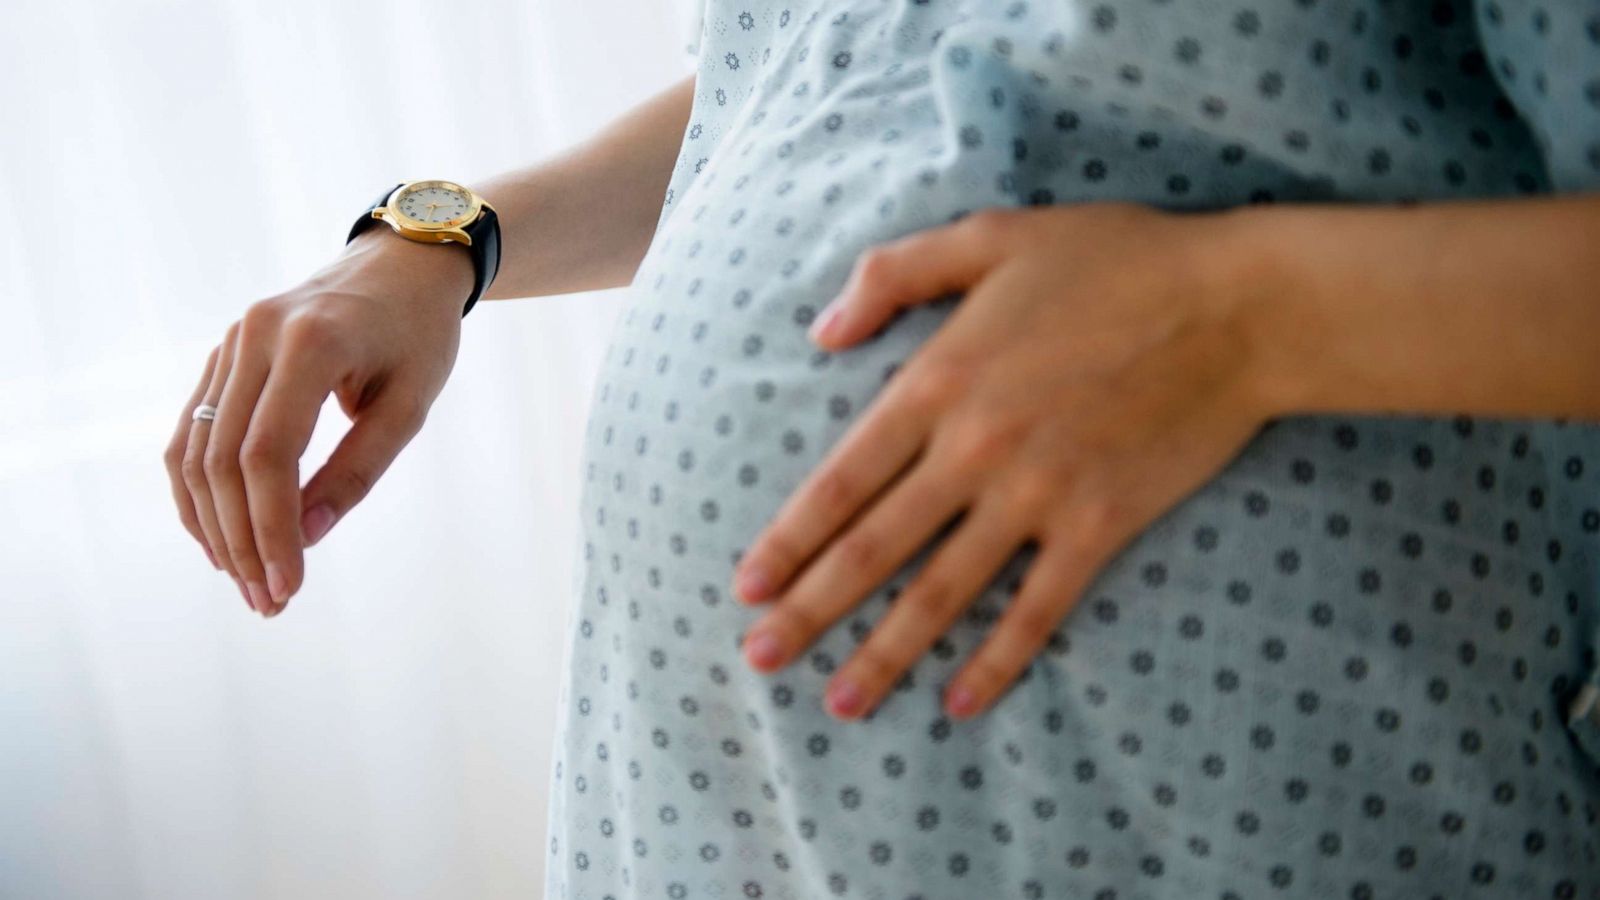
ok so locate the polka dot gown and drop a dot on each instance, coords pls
(1341, 668)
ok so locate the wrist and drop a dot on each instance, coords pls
(1253, 278)
(397, 266)
(1315, 288)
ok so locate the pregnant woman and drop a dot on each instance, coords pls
(1052, 450)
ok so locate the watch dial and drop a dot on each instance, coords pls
(434, 203)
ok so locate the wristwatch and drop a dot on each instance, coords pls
(437, 212)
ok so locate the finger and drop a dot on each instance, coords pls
(870, 454)
(863, 558)
(194, 471)
(269, 458)
(985, 540)
(380, 431)
(237, 405)
(172, 457)
(1050, 589)
(913, 270)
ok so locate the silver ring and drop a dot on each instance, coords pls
(203, 411)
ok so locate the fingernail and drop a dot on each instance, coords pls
(213, 557)
(243, 593)
(845, 698)
(827, 323)
(278, 584)
(763, 649)
(962, 701)
(316, 522)
(753, 584)
(258, 597)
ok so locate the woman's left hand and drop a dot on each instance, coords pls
(1101, 366)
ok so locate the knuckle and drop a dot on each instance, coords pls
(931, 386)
(1090, 522)
(874, 667)
(218, 464)
(934, 594)
(191, 524)
(876, 268)
(859, 550)
(800, 622)
(1032, 489)
(276, 542)
(413, 414)
(358, 480)
(172, 456)
(260, 317)
(192, 468)
(241, 552)
(834, 491)
(259, 454)
(313, 330)
(990, 223)
(981, 442)
(1097, 516)
(773, 550)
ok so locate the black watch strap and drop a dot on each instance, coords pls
(485, 234)
(484, 249)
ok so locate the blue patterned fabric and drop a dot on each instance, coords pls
(1342, 668)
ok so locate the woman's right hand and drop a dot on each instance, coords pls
(379, 327)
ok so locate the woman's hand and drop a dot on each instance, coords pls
(1107, 359)
(1099, 368)
(379, 328)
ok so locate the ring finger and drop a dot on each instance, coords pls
(174, 460)
(194, 471)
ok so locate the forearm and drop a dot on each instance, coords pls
(1485, 307)
(582, 220)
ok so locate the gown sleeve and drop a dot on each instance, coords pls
(690, 16)
(1545, 55)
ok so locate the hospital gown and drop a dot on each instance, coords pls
(1341, 668)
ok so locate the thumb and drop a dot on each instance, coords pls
(912, 270)
(380, 431)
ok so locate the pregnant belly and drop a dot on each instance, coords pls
(713, 406)
(1336, 620)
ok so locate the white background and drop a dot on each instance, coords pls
(163, 163)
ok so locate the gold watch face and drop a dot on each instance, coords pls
(435, 205)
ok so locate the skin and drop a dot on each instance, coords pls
(1143, 349)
